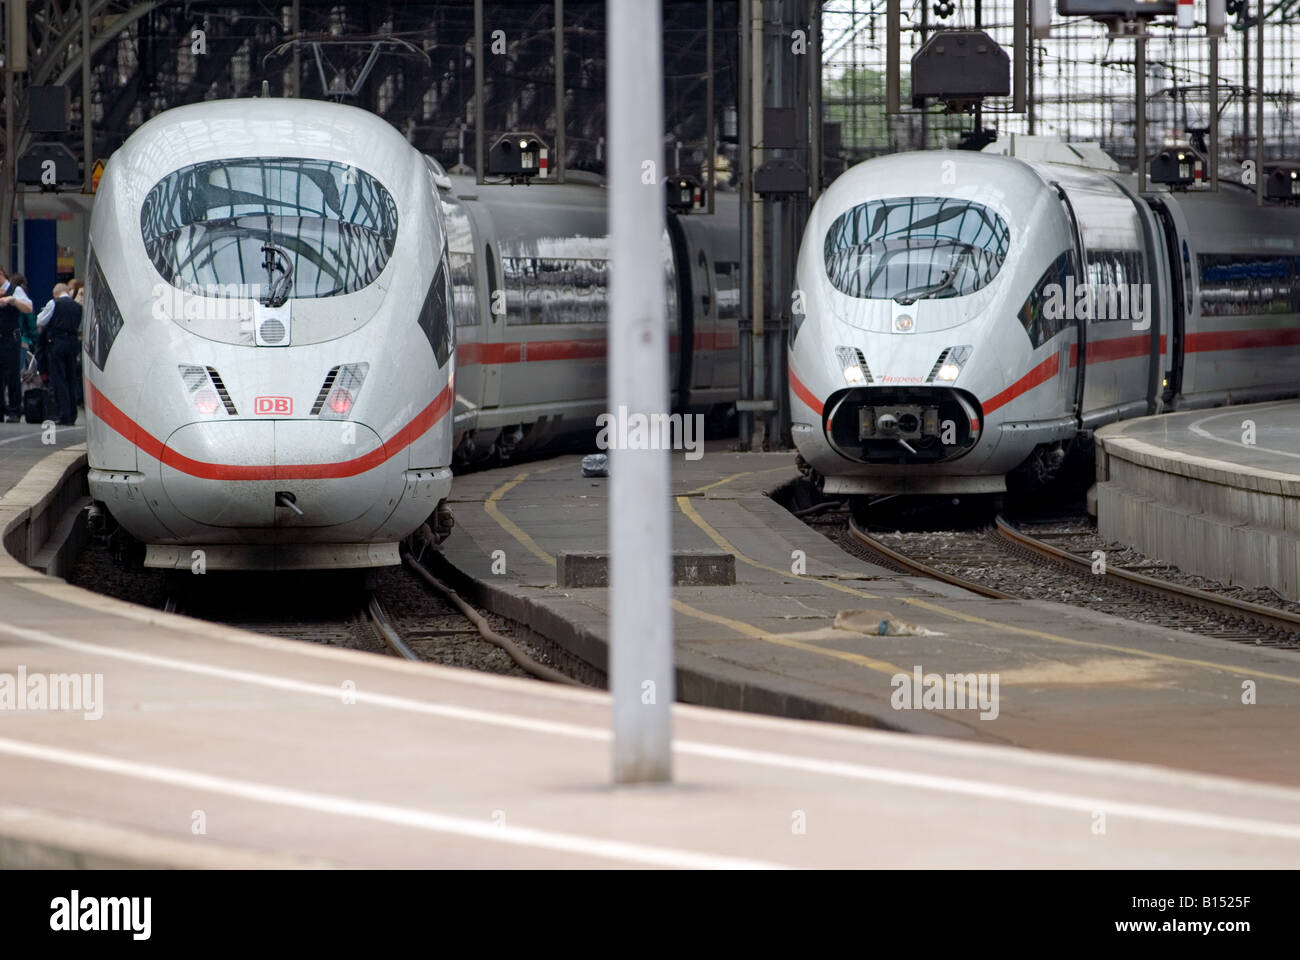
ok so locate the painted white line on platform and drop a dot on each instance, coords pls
(385, 813)
(328, 691)
(1173, 816)
(35, 433)
(1197, 429)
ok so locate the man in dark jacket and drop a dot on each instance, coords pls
(14, 302)
(61, 319)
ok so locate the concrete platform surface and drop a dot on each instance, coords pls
(218, 748)
(23, 445)
(1068, 680)
(198, 745)
(1216, 492)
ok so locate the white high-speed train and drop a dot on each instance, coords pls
(970, 316)
(280, 291)
(268, 350)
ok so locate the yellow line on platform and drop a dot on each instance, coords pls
(510, 527)
(722, 542)
(735, 476)
(749, 630)
(693, 515)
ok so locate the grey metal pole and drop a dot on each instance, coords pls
(295, 82)
(1259, 107)
(711, 146)
(87, 114)
(815, 102)
(9, 182)
(478, 91)
(560, 148)
(758, 355)
(893, 44)
(1214, 113)
(1020, 48)
(640, 520)
(1140, 106)
(745, 155)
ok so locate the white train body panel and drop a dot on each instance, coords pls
(912, 261)
(180, 476)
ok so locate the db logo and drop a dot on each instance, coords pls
(277, 405)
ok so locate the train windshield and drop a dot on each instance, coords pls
(269, 228)
(911, 248)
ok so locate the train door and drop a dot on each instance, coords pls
(1180, 298)
(703, 330)
(1074, 348)
(1117, 298)
(493, 327)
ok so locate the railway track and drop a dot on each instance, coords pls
(401, 611)
(1006, 562)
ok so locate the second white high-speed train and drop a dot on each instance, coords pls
(970, 316)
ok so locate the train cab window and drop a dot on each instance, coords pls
(435, 316)
(1235, 285)
(910, 248)
(1044, 315)
(206, 225)
(103, 317)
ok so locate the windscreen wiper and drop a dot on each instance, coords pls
(276, 258)
(913, 294)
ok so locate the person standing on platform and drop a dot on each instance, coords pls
(14, 302)
(77, 290)
(61, 319)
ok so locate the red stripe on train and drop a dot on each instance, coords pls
(1038, 375)
(104, 408)
(590, 348)
(804, 394)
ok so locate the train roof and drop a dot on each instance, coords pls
(267, 126)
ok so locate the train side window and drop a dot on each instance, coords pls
(1116, 277)
(1234, 285)
(556, 290)
(727, 286)
(1045, 313)
(464, 298)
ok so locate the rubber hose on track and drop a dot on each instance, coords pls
(525, 662)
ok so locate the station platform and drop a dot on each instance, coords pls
(1215, 492)
(1070, 680)
(207, 746)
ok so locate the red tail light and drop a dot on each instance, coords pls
(207, 401)
(340, 400)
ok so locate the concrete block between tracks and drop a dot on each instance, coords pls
(690, 569)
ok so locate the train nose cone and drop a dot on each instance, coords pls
(237, 473)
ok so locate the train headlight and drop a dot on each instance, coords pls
(948, 367)
(853, 365)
